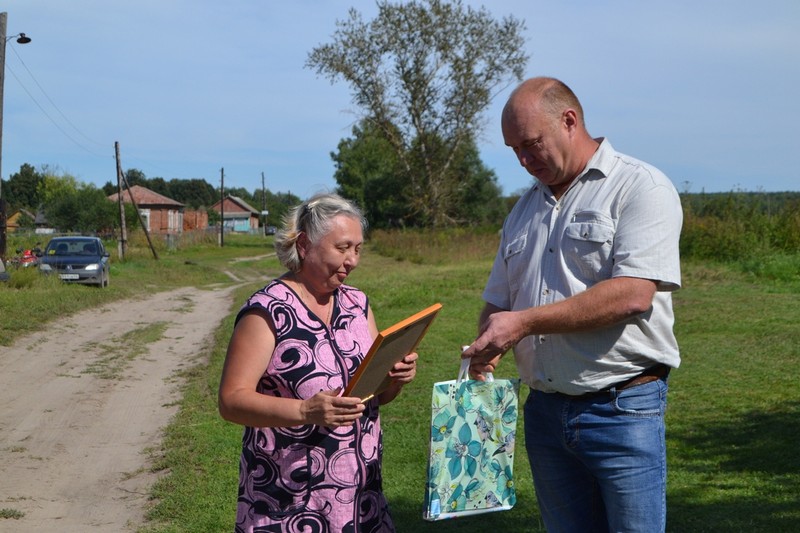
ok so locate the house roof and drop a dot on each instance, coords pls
(238, 201)
(145, 197)
(20, 212)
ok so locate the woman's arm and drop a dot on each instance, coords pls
(249, 353)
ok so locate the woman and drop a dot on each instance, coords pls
(311, 459)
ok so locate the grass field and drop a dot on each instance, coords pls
(733, 417)
(733, 422)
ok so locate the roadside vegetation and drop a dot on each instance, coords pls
(734, 406)
(29, 300)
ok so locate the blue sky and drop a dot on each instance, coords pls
(705, 90)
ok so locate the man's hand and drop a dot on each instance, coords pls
(499, 331)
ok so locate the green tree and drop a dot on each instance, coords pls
(85, 209)
(159, 185)
(478, 196)
(194, 193)
(423, 73)
(51, 186)
(278, 204)
(134, 176)
(21, 189)
(368, 172)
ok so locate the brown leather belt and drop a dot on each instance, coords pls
(659, 371)
(653, 373)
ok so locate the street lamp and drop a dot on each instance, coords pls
(21, 39)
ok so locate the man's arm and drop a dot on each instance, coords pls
(607, 303)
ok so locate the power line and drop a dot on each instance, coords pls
(155, 168)
(50, 118)
(63, 116)
(67, 120)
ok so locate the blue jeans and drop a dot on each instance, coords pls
(599, 463)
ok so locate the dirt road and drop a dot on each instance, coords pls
(78, 409)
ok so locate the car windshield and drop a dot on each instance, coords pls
(76, 247)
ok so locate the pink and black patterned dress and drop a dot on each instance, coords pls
(309, 478)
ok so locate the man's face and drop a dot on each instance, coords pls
(539, 141)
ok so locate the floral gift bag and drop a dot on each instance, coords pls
(470, 466)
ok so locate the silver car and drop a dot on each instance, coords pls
(77, 260)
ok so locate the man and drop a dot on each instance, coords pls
(581, 289)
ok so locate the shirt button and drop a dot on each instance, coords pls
(550, 250)
(541, 338)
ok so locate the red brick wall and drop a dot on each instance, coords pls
(159, 221)
(193, 220)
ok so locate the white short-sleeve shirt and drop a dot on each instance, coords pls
(620, 218)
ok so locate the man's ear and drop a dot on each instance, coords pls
(570, 119)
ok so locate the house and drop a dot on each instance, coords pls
(43, 227)
(160, 215)
(238, 215)
(12, 222)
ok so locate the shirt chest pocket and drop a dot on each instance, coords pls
(588, 246)
(515, 266)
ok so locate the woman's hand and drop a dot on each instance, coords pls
(404, 371)
(327, 408)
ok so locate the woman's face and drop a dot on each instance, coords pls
(328, 262)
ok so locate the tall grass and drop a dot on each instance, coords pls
(758, 233)
(420, 246)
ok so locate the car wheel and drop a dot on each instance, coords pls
(106, 279)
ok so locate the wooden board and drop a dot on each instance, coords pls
(389, 347)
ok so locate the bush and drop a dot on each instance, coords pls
(759, 232)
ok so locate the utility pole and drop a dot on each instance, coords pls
(123, 233)
(21, 39)
(3, 19)
(263, 204)
(136, 208)
(222, 207)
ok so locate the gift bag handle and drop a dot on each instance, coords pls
(463, 372)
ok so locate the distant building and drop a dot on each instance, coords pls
(195, 219)
(43, 227)
(238, 215)
(161, 215)
(40, 224)
(12, 223)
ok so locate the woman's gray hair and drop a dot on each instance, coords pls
(312, 217)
